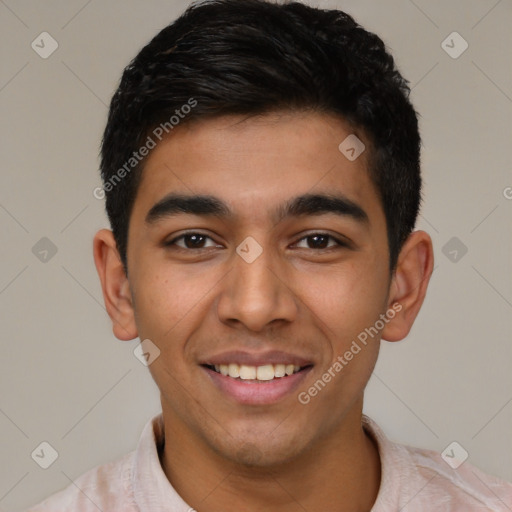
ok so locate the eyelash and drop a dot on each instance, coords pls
(339, 242)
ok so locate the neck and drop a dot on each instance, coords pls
(340, 472)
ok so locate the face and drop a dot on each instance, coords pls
(284, 262)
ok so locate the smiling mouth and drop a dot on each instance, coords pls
(263, 373)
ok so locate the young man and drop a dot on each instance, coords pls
(261, 171)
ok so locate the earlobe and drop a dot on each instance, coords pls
(115, 285)
(409, 284)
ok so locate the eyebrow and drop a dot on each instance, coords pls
(211, 206)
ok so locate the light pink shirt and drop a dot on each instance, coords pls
(413, 480)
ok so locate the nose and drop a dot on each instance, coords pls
(257, 294)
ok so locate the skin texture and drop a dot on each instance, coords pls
(303, 298)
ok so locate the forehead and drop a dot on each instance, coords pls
(256, 163)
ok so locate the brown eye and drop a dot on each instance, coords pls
(321, 241)
(191, 241)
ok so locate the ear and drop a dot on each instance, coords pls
(409, 284)
(115, 285)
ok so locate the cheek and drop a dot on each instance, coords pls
(346, 299)
(167, 306)
(168, 298)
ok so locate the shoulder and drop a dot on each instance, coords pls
(106, 487)
(455, 485)
(416, 479)
(112, 486)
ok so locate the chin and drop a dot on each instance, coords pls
(263, 452)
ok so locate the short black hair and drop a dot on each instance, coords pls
(251, 57)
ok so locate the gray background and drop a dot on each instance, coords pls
(66, 380)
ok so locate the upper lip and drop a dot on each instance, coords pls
(257, 359)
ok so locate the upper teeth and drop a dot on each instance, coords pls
(265, 372)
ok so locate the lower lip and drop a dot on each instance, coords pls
(257, 393)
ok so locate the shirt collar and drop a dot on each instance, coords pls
(390, 484)
(151, 489)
